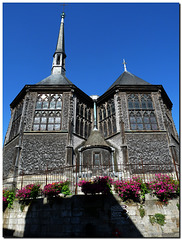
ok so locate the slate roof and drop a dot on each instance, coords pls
(55, 79)
(127, 78)
(96, 139)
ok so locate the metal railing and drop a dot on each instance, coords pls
(75, 173)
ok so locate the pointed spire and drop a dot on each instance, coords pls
(124, 63)
(58, 66)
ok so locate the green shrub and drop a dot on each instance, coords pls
(8, 197)
(142, 211)
(157, 218)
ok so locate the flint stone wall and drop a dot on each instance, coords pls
(40, 151)
(9, 157)
(90, 216)
(149, 149)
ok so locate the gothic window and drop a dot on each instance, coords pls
(113, 107)
(108, 110)
(47, 115)
(83, 120)
(114, 124)
(141, 112)
(107, 120)
(100, 115)
(16, 121)
(85, 113)
(86, 130)
(109, 126)
(81, 127)
(104, 111)
(105, 129)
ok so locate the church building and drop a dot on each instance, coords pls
(54, 125)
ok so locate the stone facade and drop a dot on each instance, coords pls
(34, 151)
(90, 216)
(53, 119)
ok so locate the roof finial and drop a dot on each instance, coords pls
(124, 63)
(63, 14)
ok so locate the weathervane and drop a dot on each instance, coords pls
(124, 63)
(63, 14)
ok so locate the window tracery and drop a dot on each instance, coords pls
(83, 119)
(141, 112)
(48, 112)
(16, 121)
(107, 120)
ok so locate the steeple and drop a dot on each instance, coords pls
(58, 66)
(124, 63)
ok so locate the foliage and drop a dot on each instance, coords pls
(98, 185)
(178, 206)
(53, 189)
(142, 211)
(152, 219)
(65, 190)
(8, 197)
(157, 218)
(143, 190)
(164, 187)
(31, 191)
(128, 189)
(160, 219)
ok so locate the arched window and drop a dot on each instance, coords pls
(114, 124)
(16, 121)
(105, 129)
(109, 127)
(104, 112)
(153, 121)
(144, 118)
(81, 110)
(109, 110)
(146, 121)
(48, 112)
(100, 115)
(86, 130)
(133, 121)
(139, 121)
(113, 107)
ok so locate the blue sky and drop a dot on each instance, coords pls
(97, 38)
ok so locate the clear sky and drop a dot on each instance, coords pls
(97, 38)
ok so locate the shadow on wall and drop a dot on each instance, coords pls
(79, 216)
